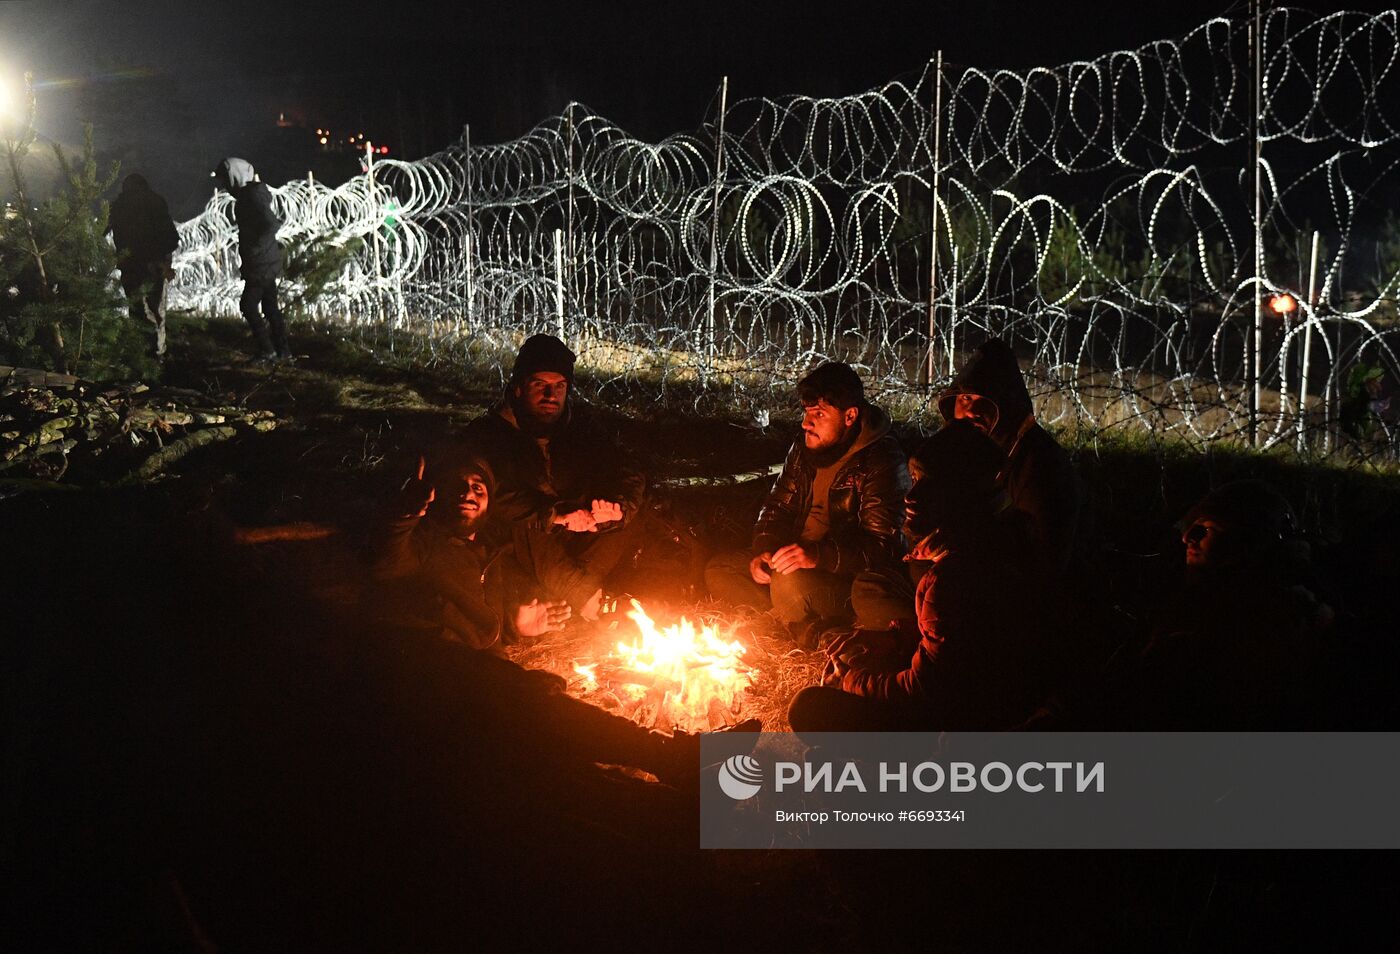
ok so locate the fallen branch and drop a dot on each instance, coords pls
(722, 480)
(300, 530)
(172, 452)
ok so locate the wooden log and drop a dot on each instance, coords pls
(35, 378)
(174, 451)
(299, 530)
(722, 480)
(45, 433)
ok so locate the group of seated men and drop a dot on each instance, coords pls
(935, 583)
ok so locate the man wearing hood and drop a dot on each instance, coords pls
(145, 238)
(835, 511)
(565, 487)
(259, 254)
(440, 538)
(1038, 475)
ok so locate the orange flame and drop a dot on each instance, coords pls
(680, 675)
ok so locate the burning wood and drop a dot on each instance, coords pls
(680, 676)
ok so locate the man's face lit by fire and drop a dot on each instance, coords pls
(542, 395)
(825, 425)
(1209, 543)
(468, 497)
(977, 409)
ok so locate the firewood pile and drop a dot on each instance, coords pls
(50, 423)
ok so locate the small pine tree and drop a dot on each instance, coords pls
(59, 304)
(311, 268)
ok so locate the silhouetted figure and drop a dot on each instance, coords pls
(974, 660)
(835, 512)
(146, 239)
(1240, 643)
(259, 255)
(1038, 475)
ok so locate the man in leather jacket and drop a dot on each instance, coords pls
(835, 511)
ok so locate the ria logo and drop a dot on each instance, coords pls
(740, 777)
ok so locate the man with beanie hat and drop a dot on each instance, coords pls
(972, 662)
(564, 484)
(260, 257)
(834, 512)
(1038, 476)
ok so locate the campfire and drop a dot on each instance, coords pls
(680, 676)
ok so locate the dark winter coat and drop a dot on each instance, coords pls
(582, 462)
(978, 665)
(259, 254)
(444, 578)
(1239, 652)
(258, 251)
(866, 502)
(141, 227)
(1038, 477)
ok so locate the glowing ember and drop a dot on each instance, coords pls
(683, 675)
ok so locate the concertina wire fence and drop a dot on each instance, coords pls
(1099, 215)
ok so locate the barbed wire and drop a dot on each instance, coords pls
(1098, 214)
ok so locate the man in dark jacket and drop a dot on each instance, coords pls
(260, 256)
(451, 570)
(566, 488)
(974, 661)
(834, 512)
(1038, 475)
(145, 238)
(1244, 641)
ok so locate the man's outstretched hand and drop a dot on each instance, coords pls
(536, 618)
(606, 511)
(416, 494)
(577, 521)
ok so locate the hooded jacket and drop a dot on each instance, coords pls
(978, 664)
(259, 254)
(1039, 477)
(582, 462)
(141, 227)
(865, 503)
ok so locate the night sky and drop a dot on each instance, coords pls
(174, 87)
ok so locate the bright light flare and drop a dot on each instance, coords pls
(1284, 304)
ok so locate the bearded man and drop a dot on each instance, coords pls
(441, 540)
(567, 490)
(834, 512)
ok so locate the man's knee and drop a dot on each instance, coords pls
(727, 578)
(809, 594)
(815, 709)
(878, 598)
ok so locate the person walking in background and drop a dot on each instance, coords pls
(145, 239)
(259, 254)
